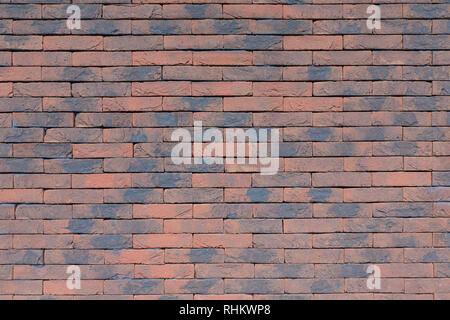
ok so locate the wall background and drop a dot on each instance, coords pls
(85, 122)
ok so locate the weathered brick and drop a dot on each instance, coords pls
(86, 175)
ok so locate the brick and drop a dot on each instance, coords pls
(252, 42)
(102, 151)
(252, 73)
(192, 11)
(73, 135)
(425, 194)
(312, 195)
(230, 270)
(403, 88)
(120, 43)
(323, 164)
(73, 43)
(21, 287)
(314, 286)
(425, 42)
(282, 89)
(222, 58)
(162, 57)
(401, 179)
(44, 181)
(307, 11)
(173, 271)
(372, 73)
(103, 120)
(40, 89)
(42, 58)
(282, 58)
(74, 257)
(40, 241)
(254, 255)
(344, 179)
(372, 133)
(107, 27)
(313, 43)
(205, 255)
(372, 195)
(137, 256)
(193, 226)
(177, 42)
(194, 286)
(133, 165)
(163, 88)
(21, 195)
(282, 27)
(312, 73)
(73, 196)
(130, 195)
(313, 104)
(401, 57)
(22, 74)
(385, 42)
(10, 42)
(405, 240)
(344, 88)
(108, 211)
(192, 73)
(43, 150)
(222, 210)
(339, 27)
(162, 241)
(134, 286)
(222, 240)
(193, 195)
(343, 240)
(73, 166)
(95, 89)
(253, 195)
(402, 210)
(252, 104)
(358, 11)
(101, 58)
(132, 11)
(401, 148)
(161, 27)
(235, 88)
(72, 104)
(373, 164)
(43, 119)
(374, 255)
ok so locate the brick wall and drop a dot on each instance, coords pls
(86, 178)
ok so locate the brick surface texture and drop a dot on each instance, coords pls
(86, 177)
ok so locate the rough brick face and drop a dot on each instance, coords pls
(87, 179)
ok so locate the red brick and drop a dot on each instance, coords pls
(21, 195)
(161, 58)
(73, 43)
(73, 196)
(401, 179)
(312, 43)
(183, 271)
(222, 241)
(223, 88)
(162, 241)
(101, 58)
(223, 58)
